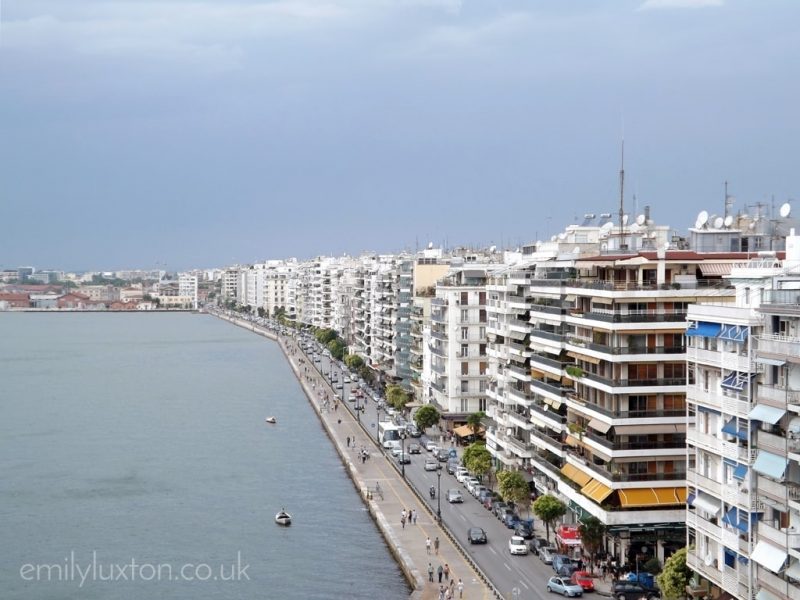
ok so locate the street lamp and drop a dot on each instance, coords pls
(403, 453)
(439, 496)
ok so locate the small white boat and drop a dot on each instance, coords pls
(270, 420)
(283, 518)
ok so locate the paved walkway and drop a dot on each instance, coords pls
(407, 543)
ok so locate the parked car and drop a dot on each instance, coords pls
(432, 448)
(413, 430)
(564, 565)
(452, 465)
(498, 508)
(483, 494)
(511, 520)
(546, 554)
(414, 448)
(476, 535)
(431, 464)
(559, 585)
(454, 496)
(524, 530)
(517, 545)
(443, 455)
(471, 483)
(477, 489)
(628, 590)
(583, 579)
(537, 543)
(489, 500)
(461, 474)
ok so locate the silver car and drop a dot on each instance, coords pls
(454, 496)
(561, 585)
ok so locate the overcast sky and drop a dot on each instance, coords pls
(201, 133)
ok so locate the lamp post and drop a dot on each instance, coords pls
(439, 496)
(403, 454)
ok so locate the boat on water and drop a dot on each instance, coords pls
(270, 420)
(283, 518)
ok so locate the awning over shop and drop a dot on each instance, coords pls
(644, 497)
(769, 557)
(766, 414)
(596, 490)
(734, 333)
(568, 535)
(599, 426)
(466, 430)
(703, 329)
(589, 359)
(572, 472)
(771, 465)
(707, 503)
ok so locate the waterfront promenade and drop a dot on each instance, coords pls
(408, 544)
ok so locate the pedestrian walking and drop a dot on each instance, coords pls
(430, 571)
(436, 544)
(460, 588)
(452, 587)
(446, 572)
(440, 572)
(415, 516)
(403, 521)
(441, 593)
(348, 441)
(428, 544)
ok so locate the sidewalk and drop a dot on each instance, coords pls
(408, 544)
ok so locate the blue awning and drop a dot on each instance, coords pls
(771, 465)
(740, 521)
(690, 499)
(766, 414)
(740, 472)
(735, 333)
(737, 380)
(731, 429)
(703, 329)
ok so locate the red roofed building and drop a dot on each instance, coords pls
(73, 300)
(12, 300)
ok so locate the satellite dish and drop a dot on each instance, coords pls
(751, 226)
(624, 219)
(430, 245)
(786, 209)
(492, 248)
(562, 236)
(640, 220)
(607, 227)
(553, 238)
(576, 250)
(719, 222)
(728, 221)
(702, 217)
(698, 224)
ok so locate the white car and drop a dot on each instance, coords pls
(517, 545)
(432, 448)
(431, 464)
(470, 482)
(461, 474)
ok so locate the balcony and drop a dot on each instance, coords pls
(550, 336)
(772, 443)
(678, 476)
(547, 413)
(550, 362)
(779, 345)
(704, 483)
(783, 538)
(552, 443)
(781, 301)
(615, 445)
(625, 350)
(777, 396)
(556, 389)
(521, 448)
(635, 317)
(519, 395)
(580, 405)
(624, 383)
(519, 373)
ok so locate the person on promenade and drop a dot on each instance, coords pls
(430, 572)
(460, 588)
(348, 441)
(428, 544)
(414, 514)
(440, 572)
(403, 518)
(453, 587)
(436, 544)
(446, 572)
(441, 593)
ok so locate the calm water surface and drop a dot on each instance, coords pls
(143, 437)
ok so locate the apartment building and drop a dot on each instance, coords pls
(743, 514)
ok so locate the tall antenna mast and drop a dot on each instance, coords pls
(726, 198)
(622, 244)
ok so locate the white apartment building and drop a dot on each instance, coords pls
(187, 287)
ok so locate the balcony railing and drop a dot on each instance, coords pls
(627, 414)
(635, 317)
(627, 286)
(548, 335)
(615, 445)
(549, 387)
(619, 476)
(658, 381)
(550, 362)
(549, 413)
(779, 344)
(626, 350)
(777, 395)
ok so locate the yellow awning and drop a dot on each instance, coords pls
(575, 474)
(596, 490)
(537, 374)
(644, 497)
(590, 359)
(466, 430)
(573, 441)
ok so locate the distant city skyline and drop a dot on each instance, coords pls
(198, 134)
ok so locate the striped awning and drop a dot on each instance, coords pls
(644, 497)
(596, 490)
(573, 473)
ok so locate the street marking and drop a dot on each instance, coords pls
(525, 584)
(493, 551)
(506, 566)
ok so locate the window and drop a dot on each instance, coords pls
(637, 468)
(465, 333)
(464, 297)
(482, 404)
(482, 332)
(464, 386)
(674, 370)
(644, 372)
(464, 315)
(464, 405)
(481, 298)
(482, 370)
(464, 350)
(674, 402)
(481, 387)
(465, 368)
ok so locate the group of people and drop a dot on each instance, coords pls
(448, 589)
(408, 515)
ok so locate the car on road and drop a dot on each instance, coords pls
(454, 496)
(403, 459)
(476, 535)
(413, 430)
(524, 530)
(443, 455)
(517, 545)
(338, 385)
(559, 585)
(546, 555)
(431, 464)
(414, 448)
(351, 398)
(452, 465)
(629, 590)
(564, 565)
(432, 448)
(461, 474)
(583, 579)
(511, 520)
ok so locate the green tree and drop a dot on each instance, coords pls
(337, 348)
(475, 421)
(675, 576)
(593, 534)
(427, 416)
(514, 487)
(549, 509)
(261, 311)
(397, 397)
(477, 459)
(354, 362)
(325, 335)
(366, 374)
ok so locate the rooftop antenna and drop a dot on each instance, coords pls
(622, 245)
(728, 201)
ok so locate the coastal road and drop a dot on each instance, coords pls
(526, 573)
